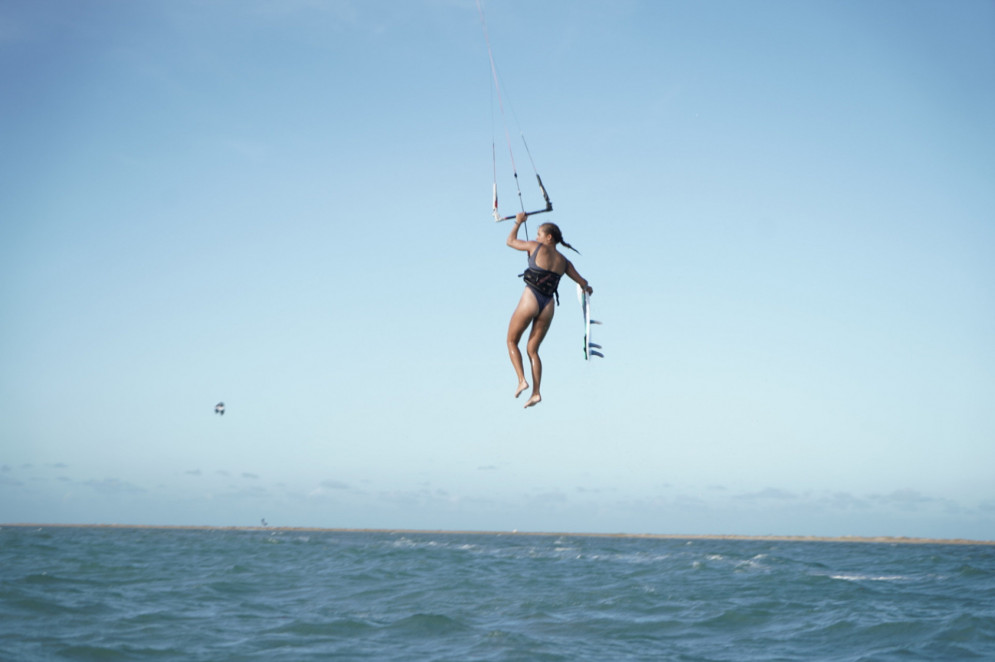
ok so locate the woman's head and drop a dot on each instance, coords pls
(554, 233)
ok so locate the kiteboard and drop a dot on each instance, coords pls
(590, 348)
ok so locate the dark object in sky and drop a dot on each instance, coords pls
(219, 408)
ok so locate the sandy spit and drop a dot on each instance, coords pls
(655, 536)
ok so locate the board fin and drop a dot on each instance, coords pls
(590, 348)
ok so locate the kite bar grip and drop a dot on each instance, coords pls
(549, 207)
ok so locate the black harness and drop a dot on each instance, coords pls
(545, 282)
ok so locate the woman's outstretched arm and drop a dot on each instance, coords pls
(572, 272)
(513, 240)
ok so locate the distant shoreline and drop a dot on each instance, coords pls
(648, 536)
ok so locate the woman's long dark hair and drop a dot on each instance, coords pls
(554, 231)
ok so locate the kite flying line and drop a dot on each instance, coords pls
(497, 88)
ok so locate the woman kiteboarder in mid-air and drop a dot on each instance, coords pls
(546, 266)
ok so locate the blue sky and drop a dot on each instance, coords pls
(786, 210)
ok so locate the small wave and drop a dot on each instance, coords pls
(335, 628)
(96, 653)
(105, 654)
(41, 578)
(869, 578)
(428, 624)
(752, 564)
(37, 605)
(740, 617)
(968, 570)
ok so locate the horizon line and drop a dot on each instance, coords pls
(516, 532)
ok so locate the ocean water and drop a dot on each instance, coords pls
(218, 595)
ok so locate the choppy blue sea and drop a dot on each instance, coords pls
(154, 594)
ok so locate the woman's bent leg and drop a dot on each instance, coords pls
(520, 319)
(539, 328)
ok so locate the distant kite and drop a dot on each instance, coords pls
(219, 409)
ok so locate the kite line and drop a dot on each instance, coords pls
(511, 153)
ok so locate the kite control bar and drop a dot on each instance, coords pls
(545, 196)
(549, 207)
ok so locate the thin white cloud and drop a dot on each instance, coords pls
(909, 500)
(327, 487)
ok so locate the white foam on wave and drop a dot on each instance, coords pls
(868, 578)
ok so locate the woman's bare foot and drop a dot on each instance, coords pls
(534, 400)
(521, 387)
